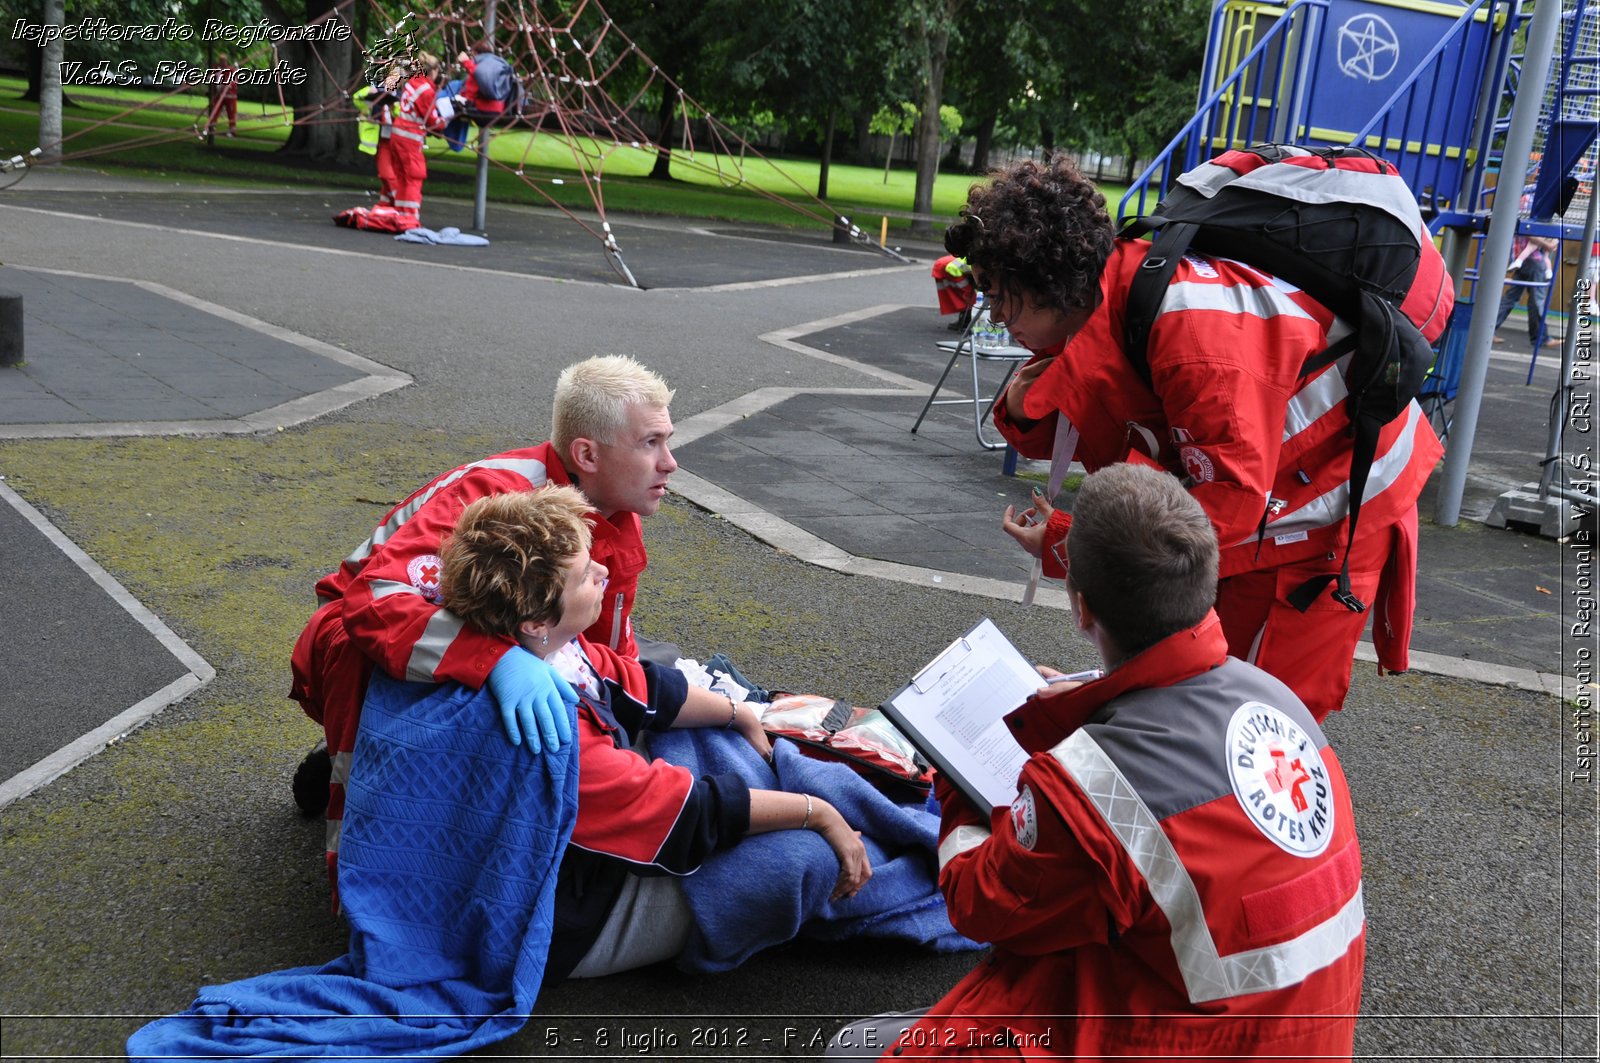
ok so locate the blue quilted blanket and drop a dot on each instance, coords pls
(771, 888)
(447, 871)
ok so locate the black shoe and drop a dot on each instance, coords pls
(311, 781)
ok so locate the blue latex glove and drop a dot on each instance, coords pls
(534, 702)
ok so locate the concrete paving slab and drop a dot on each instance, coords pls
(103, 355)
(84, 662)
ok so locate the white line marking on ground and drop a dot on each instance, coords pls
(379, 379)
(76, 752)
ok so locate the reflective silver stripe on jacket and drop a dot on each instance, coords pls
(442, 629)
(1268, 301)
(531, 469)
(428, 653)
(1207, 975)
(1318, 397)
(1310, 185)
(1333, 506)
(420, 138)
(960, 840)
(340, 777)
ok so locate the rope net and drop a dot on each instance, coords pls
(566, 65)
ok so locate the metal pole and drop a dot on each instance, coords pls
(1497, 255)
(480, 198)
(1558, 419)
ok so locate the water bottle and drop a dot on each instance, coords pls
(982, 327)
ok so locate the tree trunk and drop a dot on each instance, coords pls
(662, 170)
(325, 121)
(938, 44)
(35, 75)
(952, 156)
(982, 143)
(827, 156)
(50, 86)
(863, 123)
(1047, 137)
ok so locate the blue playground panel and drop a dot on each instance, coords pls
(1358, 53)
(1368, 49)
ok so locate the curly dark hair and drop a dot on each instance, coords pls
(1039, 229)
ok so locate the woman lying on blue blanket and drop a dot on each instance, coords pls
(518, 566)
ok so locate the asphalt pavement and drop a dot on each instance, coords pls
(223, 390)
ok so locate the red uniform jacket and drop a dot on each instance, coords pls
(1254, 441)
(1179, 875)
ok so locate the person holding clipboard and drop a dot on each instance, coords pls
(1176, 872)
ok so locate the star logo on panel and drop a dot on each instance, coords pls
(1369, 49)
(423, 572)
(1280, 779)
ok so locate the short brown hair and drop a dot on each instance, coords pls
(503, 564)
(1039, 230)
(1142, 553)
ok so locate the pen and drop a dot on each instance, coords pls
(1076, 677)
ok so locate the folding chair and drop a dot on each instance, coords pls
(971, 345)
(1438, 392)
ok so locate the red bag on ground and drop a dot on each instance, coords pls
(862, 738)
(383, 219)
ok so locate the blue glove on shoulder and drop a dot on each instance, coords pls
(535, 702)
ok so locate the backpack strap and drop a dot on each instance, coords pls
(1149, 285)
(1363, 448)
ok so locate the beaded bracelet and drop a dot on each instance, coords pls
(733, 713)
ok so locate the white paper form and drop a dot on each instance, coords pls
(953, 711)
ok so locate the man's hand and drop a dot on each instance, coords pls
(1028, 529)
(1026, 377)
(534, 702)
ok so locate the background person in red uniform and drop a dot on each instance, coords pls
(471, 93)
(224, 94)
(518, 567)
(952, 283)
(414, 119)
(382, 100)
(1265, 452)
(1179, 875)
(382, 605)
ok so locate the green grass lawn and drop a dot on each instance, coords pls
(149, 133)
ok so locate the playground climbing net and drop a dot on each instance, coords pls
(567, 64)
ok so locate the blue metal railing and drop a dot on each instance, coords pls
(1444, 176)
(1247, 108)
(1228, 111)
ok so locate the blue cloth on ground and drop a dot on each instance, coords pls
(771, 888)
(448, 235)
(447, 870)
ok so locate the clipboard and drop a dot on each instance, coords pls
(953, 712)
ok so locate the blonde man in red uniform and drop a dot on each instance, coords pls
(382, 607)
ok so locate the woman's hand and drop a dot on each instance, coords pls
(854, 866)
(747, 721)
(1028, 529)
(1026, 377)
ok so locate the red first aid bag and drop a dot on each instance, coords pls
(862, 738)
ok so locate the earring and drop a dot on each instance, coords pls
(544, 640)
